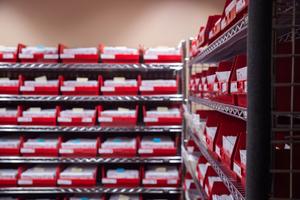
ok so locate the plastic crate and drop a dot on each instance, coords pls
(10, 119)
(8, 86)
(156, 89)
(115, 120)
(165, 55)
(78, 120)
(39, 120)
(229, 15)
(161, 120)
(120, 88)
(122, 151)
(10, 55)
(215, 30)
(73, 148)
(9, 177)
(90, 57)
(40, 86)
(41, 148)
(119, 55)
(37, 56)
(203, 36)
(10, 146)
(123, 181)
(80, 86)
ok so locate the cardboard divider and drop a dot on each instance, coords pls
(78, 151)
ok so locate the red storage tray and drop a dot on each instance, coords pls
(238, 167)
(11, 120)
(194, 48)
(119, 58)
(40, 121)
(77, 58)
(77, 181)
(203, 37)
(126, 121)
(162, 182)
(36, 57)
(217, 188)
(80, 90)
(80, 152)
(40, 90)
(200, 132)
(119, 182)
(215, 30)
(47, 152)
(197, 81)
(201, 173)
(11, 151)
(14, 90)
(228, 127)
(77, 121)
(161, 120)
(203, 87)
(212, 128)
(120, 195)
(156, 90)
(188, 183)
(192, 84)
(119, 152)
(11, 181)
(229, 14)
(38, 182)
(241, 8)
(238, 85)
(121, 90)
(159, 151)
(224, 73)
(209, 172)
(9, 57)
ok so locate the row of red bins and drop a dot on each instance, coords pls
(210, 182)
(225, 138)
(124, 117)
(225, 83)
(95, 57)
(79, 147)
(216, 25)
(79, 176)
(83, 86)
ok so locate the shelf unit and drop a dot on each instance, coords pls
(230, 43)
(152, 70)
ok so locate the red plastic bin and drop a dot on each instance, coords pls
(72, 148)
(10, 146)
(38, 120)
(7, 118)
(229, 15)
(159, 89)
(79, 119)
(202, 168)
(10, 178)
(77, 58)
(36, 57)
(10, 86)
(42, 149)
(120, 182)
(122, 151)
(80, 87)
(162, 120)
(128, 56)
(9, 56)
(239, 163)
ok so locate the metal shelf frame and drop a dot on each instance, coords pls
(96, 99)
(234, 111)
(87, 190)
(87, 130)
(234, 38)
(234, 187)
(96, 160)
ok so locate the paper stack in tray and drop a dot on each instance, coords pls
(78, 172)
(75, 51)
(41, 81)
(119, 142)
(119, 50)
(49, 52)
(152, 52)
(9, 142)
(120, 81)
(80, 81)
(228, 143)
(83, 144)
(38, 112)
(243, 156)
(163, 112)
(120, 173)
(162, 172)
(152, 142)
(43, 171)
(77, 112)
(8, 112)
(39, 143)
(203, 168)
(123, 197)
(8, 173)
(6, 81)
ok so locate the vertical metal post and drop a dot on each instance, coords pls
(259, 99)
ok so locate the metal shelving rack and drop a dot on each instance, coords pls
(234, 39)
(153, 70)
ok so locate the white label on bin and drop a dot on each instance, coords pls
(151, 57)
(188, 183)
(223, 23)
(24, 119)
(8, 56)
(190, 149)
(237, 169)
(205, 87)
(245, 87)
(233, 87)
(64, 119)
(64, 182)
(218, 151)
(105, 119)
(172, 181)
(67, 55)
(109, 180)
(240, 5)
(241, 74)
(230, 7)
(108, 56)
(68, 151)
(25, 182)
(216, 88)
(27, 150)
(146, 88)
(224, 87)
(51, 56)
(105, 151)
(146, 151)
(87, 119)
(107, 89)
(150, 119)
(22, 55)
(67, 88)
(27, 88)
(149, 181)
